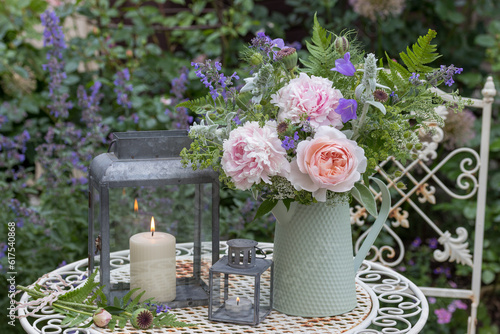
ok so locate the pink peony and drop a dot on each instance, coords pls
(252, 154)
(311, 98)
(101, 317)
(330, 161)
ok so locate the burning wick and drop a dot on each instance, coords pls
(237, 300)
(152, 226)
(136, 206)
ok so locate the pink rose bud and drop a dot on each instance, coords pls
(101, 317)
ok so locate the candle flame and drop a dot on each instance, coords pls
(136, 206)
(237, 300)
(152, 226)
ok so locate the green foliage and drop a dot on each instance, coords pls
(81, 294)
(322, 53)
(422, 52)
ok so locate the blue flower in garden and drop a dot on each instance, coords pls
(417, 242)
(347, 109)
(344, 65)
(433, 243)
(53, 37)
(122, 87)
(216, 82)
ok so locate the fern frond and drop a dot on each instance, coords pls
(422, 52)
(170, 320)
(81, 294)
(398, 76)
(202, 103)
(321, 57)
(134, 302)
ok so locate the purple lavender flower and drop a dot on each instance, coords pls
(122, 88)
(394, 97)
(431, 300)
(181, 117)
(54, 38)
(216, 82)
(347, 109)
(444, 316)
(344, 65)
(444, 73)
(289, 142)
(414, 79)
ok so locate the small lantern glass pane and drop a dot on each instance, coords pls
(242, 296)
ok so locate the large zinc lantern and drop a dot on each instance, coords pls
(139, 193)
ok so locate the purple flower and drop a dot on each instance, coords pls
(344, 65)
(347, 109)
(459, 304)
(216, 82)
(415, 79)
(431, 300)
(417, 242)
(53, 37)
(433, 243)
(444, 316)
(289, 142)
(445, 73)
(122, 86)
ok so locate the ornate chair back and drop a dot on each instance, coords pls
(461, 175)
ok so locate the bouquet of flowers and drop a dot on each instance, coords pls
(306, 133)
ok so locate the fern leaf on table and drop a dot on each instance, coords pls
(80, 294)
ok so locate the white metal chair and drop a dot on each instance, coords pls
(471, 183)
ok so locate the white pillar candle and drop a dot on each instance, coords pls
(238, 307)
(152, 265)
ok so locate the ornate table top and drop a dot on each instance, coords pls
(387, 303)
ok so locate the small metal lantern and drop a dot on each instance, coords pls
(139, 160)
(241, 285)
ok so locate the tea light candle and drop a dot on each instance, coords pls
(238, 307)
(152, 264)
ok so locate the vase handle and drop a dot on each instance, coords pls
(377, 225)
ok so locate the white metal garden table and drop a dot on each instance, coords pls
(387, 303)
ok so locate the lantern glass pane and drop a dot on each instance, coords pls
(184, 210)
(227, 287)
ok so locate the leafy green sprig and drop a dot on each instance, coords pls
(78, 306)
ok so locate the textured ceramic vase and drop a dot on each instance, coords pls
(313, 260)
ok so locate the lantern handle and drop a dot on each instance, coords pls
(111, 145)
(264, 253)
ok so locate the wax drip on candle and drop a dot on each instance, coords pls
(152, 226)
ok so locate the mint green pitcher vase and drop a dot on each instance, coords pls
(314, 266)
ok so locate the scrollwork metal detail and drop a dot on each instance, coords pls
(400, 301)
(455, 249)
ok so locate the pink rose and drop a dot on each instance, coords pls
(312, 98)
(252, 154)
(330, 161)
